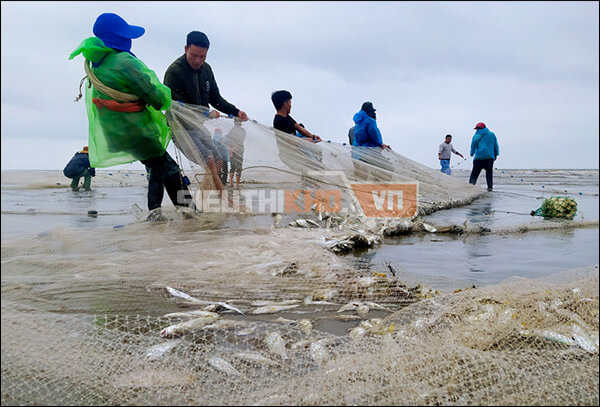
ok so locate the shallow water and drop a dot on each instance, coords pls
(33, 204)
(490, 258)
(92, 290)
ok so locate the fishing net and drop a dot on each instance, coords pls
(240, 308)
(172, 315)
(557, 207)
(268, 159)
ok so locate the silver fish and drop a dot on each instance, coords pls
(255, 358)
(362, 310)
(344, 317)
(282, 320)
(275, 344)
(246, 331)
(348, 307)
(157, 351)
(429, 228)
(313, 223)
(180, 294)
(583, 341)
(185, 327)
(374, 305)
(264, 303)
(357, 332)
(270, 309)
(556, 337)
(223, 366)
(191, 314)
(318, 352)
(224, 324)
(305, 326)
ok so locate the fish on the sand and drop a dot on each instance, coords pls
(185, 327)
(157, 351)
(223, 366)
(271, 309)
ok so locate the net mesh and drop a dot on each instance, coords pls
(231, 309)
(140, 327)
(270, 159)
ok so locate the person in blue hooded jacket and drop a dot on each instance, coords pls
(485, 149)
(367, 143)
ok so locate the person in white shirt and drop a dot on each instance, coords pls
(444, 154)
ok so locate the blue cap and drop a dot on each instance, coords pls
(115, 32)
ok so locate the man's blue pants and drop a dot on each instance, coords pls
(445, 166)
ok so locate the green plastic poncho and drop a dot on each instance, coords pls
(118, 137)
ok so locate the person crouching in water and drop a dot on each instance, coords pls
(79, 166)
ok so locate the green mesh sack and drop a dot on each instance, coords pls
(122, 137)
(557, 207)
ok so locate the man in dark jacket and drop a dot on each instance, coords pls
(78, 167)
(192, 81)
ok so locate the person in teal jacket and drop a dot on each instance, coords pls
(485, 149)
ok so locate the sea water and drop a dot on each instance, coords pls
(35, 203)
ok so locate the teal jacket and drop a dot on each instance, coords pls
(484, 145)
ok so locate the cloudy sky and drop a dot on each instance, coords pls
(529, 70)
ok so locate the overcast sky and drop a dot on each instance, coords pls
(529, 70)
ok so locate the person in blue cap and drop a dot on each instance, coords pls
(124, 108)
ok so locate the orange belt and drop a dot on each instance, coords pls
(130, 107)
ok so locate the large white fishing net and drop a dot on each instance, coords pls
(152, 315)
(273, 160)
(207, 312)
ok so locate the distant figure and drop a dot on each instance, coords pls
(485, 148)
(235, 142)
(78, 167)
(223, 160)
(351, 135)
(367, 144)
(282, 100)
(444, 154)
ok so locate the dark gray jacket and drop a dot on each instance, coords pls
(197, 87)
(77, 166)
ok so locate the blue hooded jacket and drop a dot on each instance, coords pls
(366, 133)
(484, 145)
